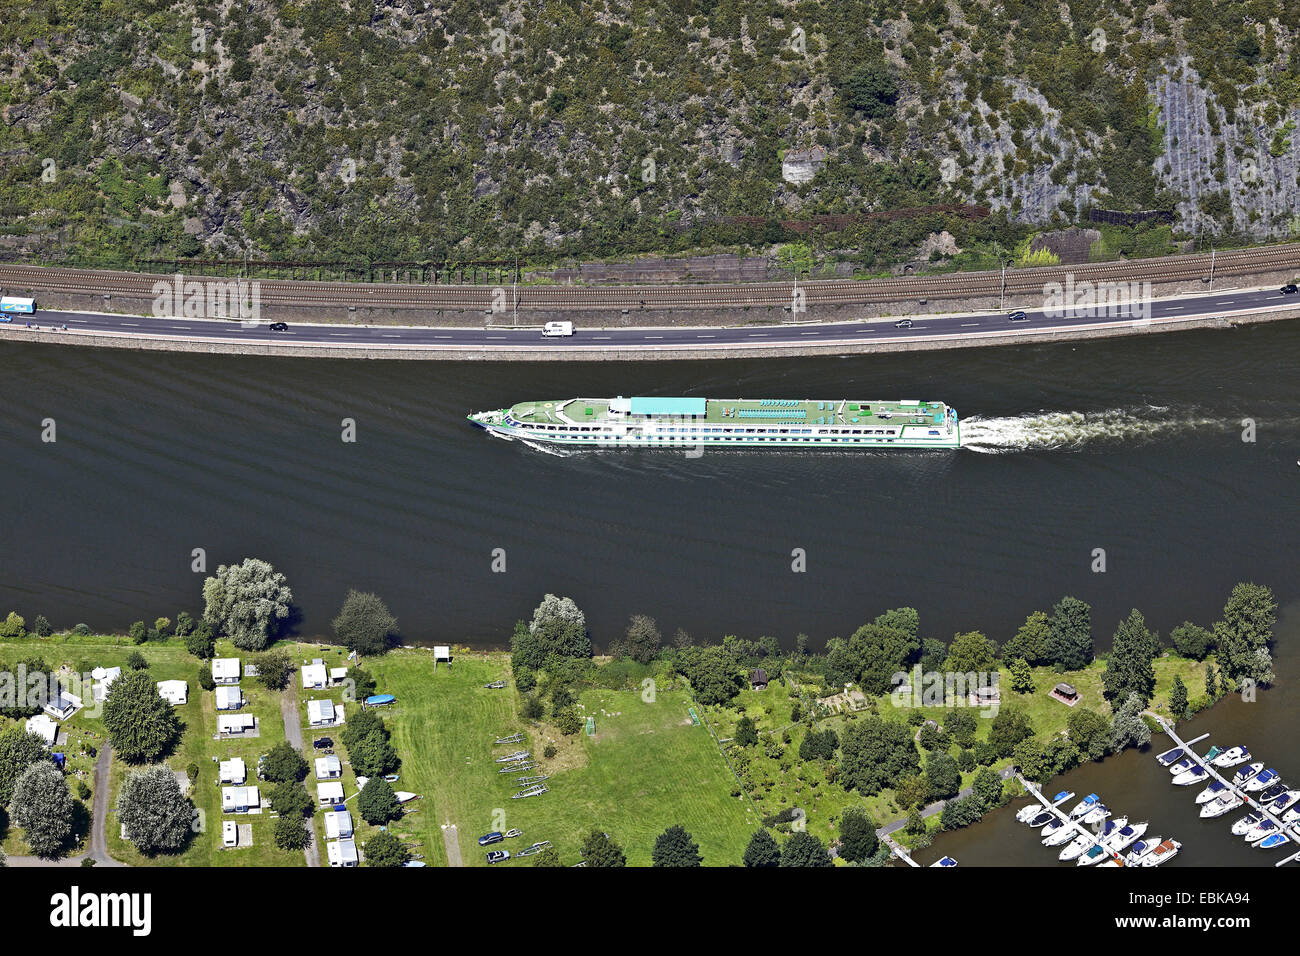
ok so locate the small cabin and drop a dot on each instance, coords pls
(1066, 693)
(758, 679)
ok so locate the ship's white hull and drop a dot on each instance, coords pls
(631, 439)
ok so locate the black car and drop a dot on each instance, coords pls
(322, 743)
(1017, 317)
(1290, 289)
(279, 327)
(488, 839)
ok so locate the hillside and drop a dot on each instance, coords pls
(570, 128)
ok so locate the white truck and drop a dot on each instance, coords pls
(557, 328)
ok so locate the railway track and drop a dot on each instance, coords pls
(1234, 263)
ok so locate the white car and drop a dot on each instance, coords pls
(557, 328)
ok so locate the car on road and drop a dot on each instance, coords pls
(903, 324)
(1289, 289)
(1017, 316)
(322, 743)
(487, 839)
(279, 326)
(557, 328)
(6, 317)
(498, 856)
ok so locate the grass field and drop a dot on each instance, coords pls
(645, 769)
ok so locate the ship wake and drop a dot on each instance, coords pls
(1074, 430)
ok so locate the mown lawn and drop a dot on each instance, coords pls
(646, 768)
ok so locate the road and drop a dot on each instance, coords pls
(505, 340)
(293, 734)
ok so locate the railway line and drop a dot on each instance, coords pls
(17, 279)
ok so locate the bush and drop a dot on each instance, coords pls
(273, 670)
(81, 630)
(568, 722)
(549, 751)
(376, 803)
(42, 626)
(530, 708)
(205, 677)
(135, 660)
(291, 834)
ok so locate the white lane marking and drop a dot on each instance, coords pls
(706, 336)
(385, 335)
(1175, 308)
(602, 337)
(183, 327)
(135, 325)
(1227, 302)
(755, 335)
(442, 336)
(967, 325)
(810, 333)
(654, 336)
(496, 336)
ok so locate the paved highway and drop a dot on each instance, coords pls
(506, 339)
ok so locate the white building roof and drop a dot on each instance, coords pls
(327, 767)
(229, 697)
(43, 726)
(234, 723)
(63, 706)
(239, 798)
(103, 677)
(330, 791)
(338, 824)
(320, 711)
(338, 673)
(174, 691)
(342, 853)
(313, 675)
(225, 668)
(233, 770)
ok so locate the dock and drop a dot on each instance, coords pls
(900, 851)
(1075, 825)
(1248, 801)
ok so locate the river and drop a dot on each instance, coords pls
(1133, 446)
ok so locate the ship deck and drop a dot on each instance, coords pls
(747, 412)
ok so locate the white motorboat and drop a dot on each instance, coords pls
(1090, 856)
(1215, 789)
(1140, 849)
(1125, 837)
(1027, 813)
(1231, 757)
(1285, 802)
(1245, 823)
(1084, 805)
(1052, 826)
(1112, 861)
(1184, 765)
(1260, 830)
(1220, 805)
(1245, 773)
(1041, 819)
(1096, 815)
(1076, 848)
(1060, 836)
(1169, 756)
(1162, 854)
(1261, 780)
(1292, 815)
(1196, 774)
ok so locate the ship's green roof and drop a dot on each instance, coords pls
(738, 411)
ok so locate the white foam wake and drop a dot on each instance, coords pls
(1047, 430)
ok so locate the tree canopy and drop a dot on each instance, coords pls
(155, 814)
(364, 623)
(43, 807)
(141, 725)
(675, 847)
(247, 602)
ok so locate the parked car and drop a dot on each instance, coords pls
(498, 856)
(487, 839)
(903, 324)
(1017, 317)
(322, 743)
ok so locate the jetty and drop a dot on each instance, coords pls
(1065, 818)
(1248, 801)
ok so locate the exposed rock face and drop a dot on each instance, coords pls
(801, 166)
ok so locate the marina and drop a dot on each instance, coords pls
(1265, 825)
(1113, 843)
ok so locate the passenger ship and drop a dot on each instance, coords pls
(727, 422)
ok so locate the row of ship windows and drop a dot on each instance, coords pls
(571, 429)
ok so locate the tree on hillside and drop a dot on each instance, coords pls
(762, 850)
(877, 753)
(746, 735)
(1009, 727)
(1129, 666)
(364, 623)
(1030, 641)
(199, 639)
(872, 89)
(155, 815)
(987, 787)
(1069, 637)
(284, 763)
(945, 779)
(598, 849)
(804, 849)
(875, 652)
(247, 602)
(386, 850)
(18, 751)
(1022, 678)
(858, 840)
(675, 847)
(377, 804)
(43, 807)
(141, 725)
